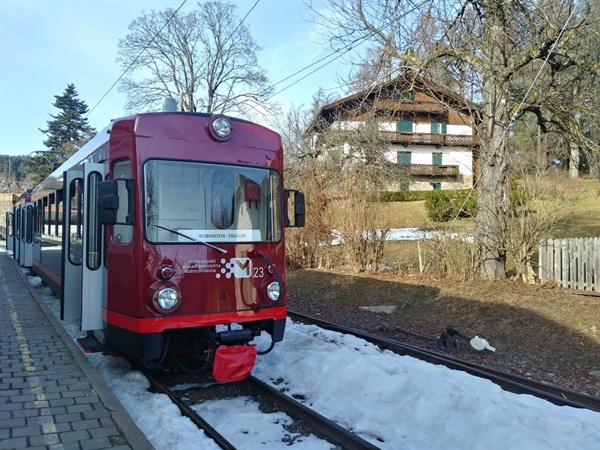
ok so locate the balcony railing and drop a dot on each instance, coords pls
(439, 140)
(395, 105)
(432, 170)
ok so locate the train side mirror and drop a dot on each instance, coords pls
(296, 199)
(115, 202)
(108, 202)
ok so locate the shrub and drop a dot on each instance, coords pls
(439, 206)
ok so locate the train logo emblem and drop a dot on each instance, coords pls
(238, 267)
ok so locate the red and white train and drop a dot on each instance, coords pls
(164, 236)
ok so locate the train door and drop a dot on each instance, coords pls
(72, 238)
(10, 232)
(94, 270)
(24, 234)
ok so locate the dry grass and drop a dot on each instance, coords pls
(557, 328)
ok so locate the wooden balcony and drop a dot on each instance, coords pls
(395, 105)
(431, 170)
(439, 140)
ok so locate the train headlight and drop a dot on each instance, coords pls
(219, 127)
(273, 291)
(167, 298)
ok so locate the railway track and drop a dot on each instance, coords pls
(507, 381)
(334, 433)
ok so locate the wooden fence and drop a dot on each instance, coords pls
(571, 263)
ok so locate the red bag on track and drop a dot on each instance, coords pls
(233, 362)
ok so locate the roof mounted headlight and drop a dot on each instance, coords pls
(219, 127)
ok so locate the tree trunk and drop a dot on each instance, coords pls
(573, 160)
(491, 226)
(492, 197)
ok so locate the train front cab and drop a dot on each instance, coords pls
(119, 306)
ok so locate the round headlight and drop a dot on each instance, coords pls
(273, 291)
(167, 298)
(221, 127)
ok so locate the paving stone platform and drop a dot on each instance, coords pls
(51, 396)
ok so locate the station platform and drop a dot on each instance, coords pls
(51, 396)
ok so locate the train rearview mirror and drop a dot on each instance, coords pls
(115, 202)
(294, 199)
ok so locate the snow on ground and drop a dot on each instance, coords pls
(395, 402)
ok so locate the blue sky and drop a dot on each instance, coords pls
(47, 44)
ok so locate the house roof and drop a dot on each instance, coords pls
(403, 83)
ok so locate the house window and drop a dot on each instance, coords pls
(404, 157)
(437, 186)
(439, 128)
(436, 159)
(404, 126)
(407, 95)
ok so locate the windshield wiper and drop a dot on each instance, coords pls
(221, 250)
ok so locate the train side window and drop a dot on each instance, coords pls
(45, 218)
(75, 232)
(17, 224)
(51, 198)
(59, 212)
(93, 227)
(9, 225)
(122, 233)
(23, 224)
(39, 220)
(29, 225)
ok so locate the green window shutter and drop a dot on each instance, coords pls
(436, 159)
(439, 128)
(404, 126)
(404, 157)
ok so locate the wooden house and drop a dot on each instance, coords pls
(427, 129)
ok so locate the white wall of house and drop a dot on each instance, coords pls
(423, 154)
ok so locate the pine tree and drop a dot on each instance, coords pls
(70, 125)
(67, 132)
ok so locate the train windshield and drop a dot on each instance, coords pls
(188, 202)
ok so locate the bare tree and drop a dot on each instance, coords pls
(206, 59)
(487, 46)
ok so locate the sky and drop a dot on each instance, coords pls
(393, 401)
(47, 44)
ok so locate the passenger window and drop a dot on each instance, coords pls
(93, 227)
(122, 233)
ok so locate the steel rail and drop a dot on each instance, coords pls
(185, 409)
(338, 434)
(507, 381)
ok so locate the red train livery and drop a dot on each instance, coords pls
(164, 235)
